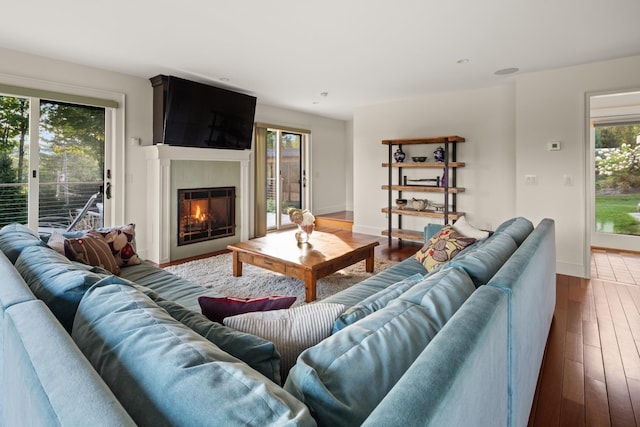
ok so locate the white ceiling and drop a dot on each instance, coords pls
(287, 52)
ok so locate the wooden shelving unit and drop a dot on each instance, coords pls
(395, 187)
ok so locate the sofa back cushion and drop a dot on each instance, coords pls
(375, 302)
(256, 352)
(518, 228)
(55, 280)
(375, 351)
(15, 237)
(48, 381)
(166, 374)
(483, 261)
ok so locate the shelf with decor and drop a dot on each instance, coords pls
(445, 185)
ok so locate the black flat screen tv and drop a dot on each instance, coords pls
(199, 115)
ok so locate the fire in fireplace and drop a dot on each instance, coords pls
(206, 214)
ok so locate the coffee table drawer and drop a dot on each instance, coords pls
(272, 265)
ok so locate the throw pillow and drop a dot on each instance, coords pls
(468, 230)
(292, 331)
(121, 240)
(91, 249)
(56, 242)
(442, 247)
(216, 309)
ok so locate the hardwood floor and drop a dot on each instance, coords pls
(591, 370)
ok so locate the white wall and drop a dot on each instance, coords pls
(551, 105)
(485, 117)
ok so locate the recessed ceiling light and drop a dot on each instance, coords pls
(462, 61)
(505, 71)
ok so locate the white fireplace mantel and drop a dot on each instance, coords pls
(159, 158)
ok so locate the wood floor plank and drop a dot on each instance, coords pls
(573, 381)
(572, 414)
(590, 334)
(596, 403)
(574, 317)
(600, 299)
(593, 365)
(617, 391)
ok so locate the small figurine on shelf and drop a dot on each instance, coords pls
(399, 155)
(439, 154)
(443, 180)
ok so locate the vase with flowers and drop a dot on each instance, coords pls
(305, 222)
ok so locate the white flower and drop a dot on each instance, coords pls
(307, 218)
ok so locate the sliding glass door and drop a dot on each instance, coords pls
(286, 176)
(51, 178)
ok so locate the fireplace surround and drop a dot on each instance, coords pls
(162, 245)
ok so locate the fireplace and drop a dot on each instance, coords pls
(206, 214)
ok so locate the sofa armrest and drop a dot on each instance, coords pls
(47, 380)
(460, 379)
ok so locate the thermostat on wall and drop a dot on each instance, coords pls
(553, 145)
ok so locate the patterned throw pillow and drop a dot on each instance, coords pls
(121, 241)
(91, 249)
(442, 247)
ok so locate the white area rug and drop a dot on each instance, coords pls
(216, 273)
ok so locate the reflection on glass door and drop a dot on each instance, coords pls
(71, 164)
(285, 176)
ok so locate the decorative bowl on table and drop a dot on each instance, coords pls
(419, 159)
(401, 203)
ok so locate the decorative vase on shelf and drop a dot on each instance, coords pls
(399, 155)
(303, 233)
(439, 154)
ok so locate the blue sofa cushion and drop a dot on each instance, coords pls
(167, 285)
(518, 228)
(256, 352)
(356, 293)
(55, 280)
(48, 381)
(375, 352)
(15, 237)
(375, 302)
(483, 261)
(165, 374)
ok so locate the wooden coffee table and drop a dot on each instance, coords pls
(325, 253)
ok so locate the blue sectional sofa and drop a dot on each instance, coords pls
(460, 345)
